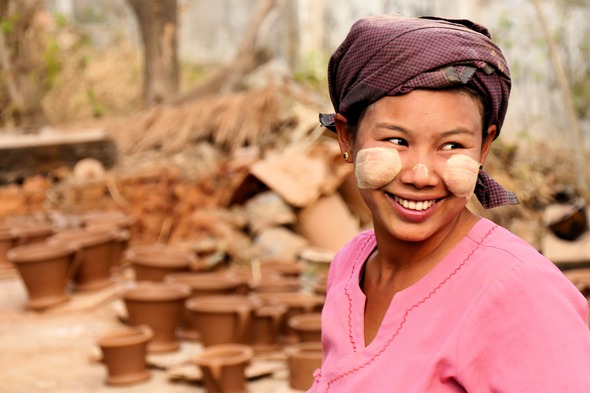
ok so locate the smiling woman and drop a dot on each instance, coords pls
(435, 298)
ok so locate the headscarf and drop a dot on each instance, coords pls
(391, 55)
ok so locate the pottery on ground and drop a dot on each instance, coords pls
(119, 219)
(275, 284)
(223, 367)
(124, 355)
(45, 269)
(94, 250)
(119, 244)
(201, 284)
(33, 232)
(286, 268)
(222, 319)
(158, 305)
(8, 240)
(307, 326)
(302, 360)
(266, 327)
(153, 262)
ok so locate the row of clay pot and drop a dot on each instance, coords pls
(76, 259)
(223, 366)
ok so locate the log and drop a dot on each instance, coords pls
(39, 154)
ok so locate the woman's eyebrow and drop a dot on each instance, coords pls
(456, 131)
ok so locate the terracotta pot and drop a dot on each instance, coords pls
(275, 284)
(266, 327)
(45, 269)
(119, 244)
(296, 303)
(124, 355)
(201, 284)
(119, 219)
(307, 326)
(158, 305)
(286, 268)
(8, 240)
(33, 232)
(302, 360)
(94, 248)
(154, 262)
(222, 319)
(224, 366)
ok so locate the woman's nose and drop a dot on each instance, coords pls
(419, 174)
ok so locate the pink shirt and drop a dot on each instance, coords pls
(493, 316)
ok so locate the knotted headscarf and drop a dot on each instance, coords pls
(391, 55)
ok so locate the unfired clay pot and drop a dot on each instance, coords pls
(124, 355)
(33, 232)
(158, 305)
(119, 244)
(46, 269)
(94, 248)
(154, 262)
(275, 284)
(307, 326)
(119, 219)
(201, 284)
(224, 366)
(302, 360)
(222, 319)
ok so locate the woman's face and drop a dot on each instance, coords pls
(417, 158)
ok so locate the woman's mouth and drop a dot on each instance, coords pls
(414, 205)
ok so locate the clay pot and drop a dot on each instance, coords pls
(118, 219)
(286, 268)
(158, 305)
(296, 303)
(33, 232)
(201, 284)
(124, 354)
(95, 257)
(224, 366)
(119, 244)
(222, 319)
(266, 327)
(307, 326)
(154, 262)
(46, 269)
(302, 360)
(8, 240)
(275, 284)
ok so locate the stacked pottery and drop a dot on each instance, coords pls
(45, 269)
(222, 319)
(201, 284)
(224, 367)
(94, 251)
(307, 326)
(302, 360)
(158, 305)
(124, 355)
(154, 262)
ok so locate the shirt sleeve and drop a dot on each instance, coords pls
(527, 332)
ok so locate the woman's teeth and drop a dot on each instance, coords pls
(414, 205)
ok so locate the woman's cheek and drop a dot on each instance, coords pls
(376, 167)
(460, 175)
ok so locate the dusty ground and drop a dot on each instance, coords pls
(56, 351)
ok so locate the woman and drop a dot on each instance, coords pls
(434, 298)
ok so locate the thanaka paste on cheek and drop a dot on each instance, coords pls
(376, 166)
(460, 175)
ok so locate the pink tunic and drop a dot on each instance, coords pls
(493, 316)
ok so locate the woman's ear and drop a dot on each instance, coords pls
(344, 139)
(486, 143)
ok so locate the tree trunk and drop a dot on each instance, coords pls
(158, 23)
(22, 69)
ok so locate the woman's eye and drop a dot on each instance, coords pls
(398, 141)
(451, 146)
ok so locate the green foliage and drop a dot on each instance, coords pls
(312, 71)
(52, 63)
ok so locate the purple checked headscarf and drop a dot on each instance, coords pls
(391, 55)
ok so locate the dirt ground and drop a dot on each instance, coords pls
(56, 350)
